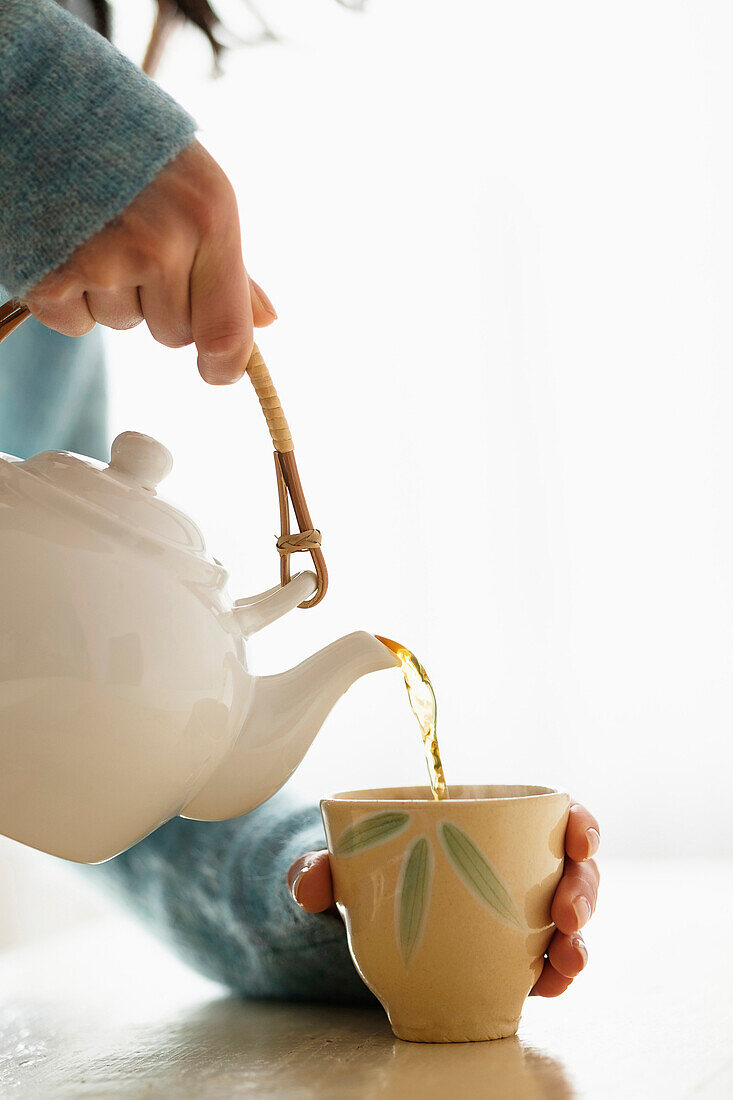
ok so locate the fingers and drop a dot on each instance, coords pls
(163, 302)
(582, 836)
(221, 310)
(309, 880)
(118, 309)
(550, 983)
(70, 317)
(174, 256)
(576, 896)
(566, 957)
(166, 303)
(573, 905)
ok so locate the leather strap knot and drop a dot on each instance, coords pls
(297, 541)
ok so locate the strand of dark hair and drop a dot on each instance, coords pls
(198, 12)
(102, 17)
(203, 16)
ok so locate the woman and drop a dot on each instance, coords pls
(113, 213)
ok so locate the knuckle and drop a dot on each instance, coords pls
(224, 341)
(51, 291)
(149, 256)
(202, 208)
(214, 205)
(206, 215)
(593, 871)
(102, 275)
(572, 884)
(119, 268)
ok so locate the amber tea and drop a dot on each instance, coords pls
(422, 700)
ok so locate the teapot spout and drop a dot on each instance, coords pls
(286, 713)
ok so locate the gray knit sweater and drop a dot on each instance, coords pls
(83, 131)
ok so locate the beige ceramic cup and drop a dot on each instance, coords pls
(447, 904)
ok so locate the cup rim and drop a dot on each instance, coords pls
(422, 795)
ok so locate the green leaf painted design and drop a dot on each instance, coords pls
(371, 830)
(414, 897)
(477, 873)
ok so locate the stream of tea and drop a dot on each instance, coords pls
(424, 707)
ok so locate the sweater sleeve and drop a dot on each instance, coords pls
(217, 893)
(83, 132)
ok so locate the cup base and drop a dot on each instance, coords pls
(470, 1032)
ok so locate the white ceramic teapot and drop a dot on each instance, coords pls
(124, 692)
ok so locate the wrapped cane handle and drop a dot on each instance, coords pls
(259, 376)
(289, 488)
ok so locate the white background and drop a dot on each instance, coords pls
(498, 237)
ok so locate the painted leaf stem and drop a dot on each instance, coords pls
(476, 872)
(368, 831)
(414, 897)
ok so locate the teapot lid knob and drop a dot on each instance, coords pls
(141, 458)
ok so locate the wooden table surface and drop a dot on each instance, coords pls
(105, 1011)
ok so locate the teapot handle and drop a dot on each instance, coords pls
(12, 314)
(289, 488)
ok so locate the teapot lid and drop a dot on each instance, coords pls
(122, 497)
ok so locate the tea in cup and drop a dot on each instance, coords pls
(447, 902)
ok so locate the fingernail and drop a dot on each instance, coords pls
(579, 944)
(307, 866)
(296, 884)
(262, 298)
(582, 910)
(594, 841)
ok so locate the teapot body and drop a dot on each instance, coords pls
(125, 697)
(121, 687)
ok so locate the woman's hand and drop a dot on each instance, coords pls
(573, 905)
(309, 880)
(173, 257)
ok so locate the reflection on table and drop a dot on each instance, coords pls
(105, 1011)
